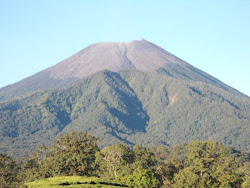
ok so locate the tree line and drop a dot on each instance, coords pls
(197, 164)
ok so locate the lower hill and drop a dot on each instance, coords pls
(132, 107)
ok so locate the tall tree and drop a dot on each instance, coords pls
(209, 165)
(71, 154)
(113, 158)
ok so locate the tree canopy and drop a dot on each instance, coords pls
(197, 164)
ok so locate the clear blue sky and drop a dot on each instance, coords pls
(213, 36)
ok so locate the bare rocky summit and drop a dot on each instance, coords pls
(141, 55)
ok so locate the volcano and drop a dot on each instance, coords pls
(134, 92)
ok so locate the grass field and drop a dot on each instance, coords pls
(72, 181)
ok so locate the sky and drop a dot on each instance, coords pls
(212, 35)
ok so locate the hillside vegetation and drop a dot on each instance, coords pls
(74, 160)
(131, 107)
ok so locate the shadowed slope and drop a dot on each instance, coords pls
(184, 110)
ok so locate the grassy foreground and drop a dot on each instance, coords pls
(72, 181)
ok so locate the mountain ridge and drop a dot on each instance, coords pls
(140, 55)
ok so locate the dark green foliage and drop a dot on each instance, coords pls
(197, 164)
(143, 178)
(144, 157)
(133, 167)
(112, 159)
(8, 171)
(131, 107)
(245, 169)
(31, 167)
(208, 164)
(167, 170)
(71, 154)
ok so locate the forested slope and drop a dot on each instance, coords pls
(131, 106)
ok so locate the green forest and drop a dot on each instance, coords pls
(75, 160)
(131, 107)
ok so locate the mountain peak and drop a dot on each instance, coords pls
(115, 56)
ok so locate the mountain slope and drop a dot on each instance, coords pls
(130, 106)
(140, 55)
(181, 111)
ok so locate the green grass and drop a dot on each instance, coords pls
(73, 181)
